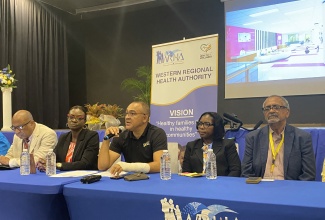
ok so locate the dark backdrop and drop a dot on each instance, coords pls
(33, 41)
(104, 48)
(115, 44)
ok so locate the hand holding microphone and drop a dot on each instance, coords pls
(113, 131)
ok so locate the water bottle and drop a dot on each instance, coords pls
(211, 166)
(25, 162)
(165, 171)
(50, 163)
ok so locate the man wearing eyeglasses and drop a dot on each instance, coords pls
(279, 151)
(141, 143)
(35, 137)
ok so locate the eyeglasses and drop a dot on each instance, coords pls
(273, 107)
(75, 117)
(20, 127)
(132, 114)
(205, 124)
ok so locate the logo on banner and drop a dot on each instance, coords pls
(170, 57)
(205, 48)
(193, 210)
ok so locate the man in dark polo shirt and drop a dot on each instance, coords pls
(141, 143)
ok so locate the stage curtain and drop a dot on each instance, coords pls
(33, 41)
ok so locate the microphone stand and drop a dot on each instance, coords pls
(235, 124)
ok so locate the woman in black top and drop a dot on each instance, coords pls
(78, 148)
(211, 129)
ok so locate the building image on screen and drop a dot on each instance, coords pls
(275, 45)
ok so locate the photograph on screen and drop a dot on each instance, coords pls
(274, 46)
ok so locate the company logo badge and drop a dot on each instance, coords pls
(205, 47)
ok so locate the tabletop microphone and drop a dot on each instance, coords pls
(232, 118)
(109, 136)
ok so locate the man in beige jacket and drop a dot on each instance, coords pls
(38, 138)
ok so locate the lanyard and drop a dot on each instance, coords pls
(275, 151)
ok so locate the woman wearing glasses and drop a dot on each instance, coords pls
(211, 129)
(78, 148)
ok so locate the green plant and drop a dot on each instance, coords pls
(141, 85)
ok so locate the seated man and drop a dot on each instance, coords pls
(37, 138)
(279, 151)
(4, 144)
(142, 144)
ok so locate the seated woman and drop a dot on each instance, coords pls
(211, 129)
(78, 148)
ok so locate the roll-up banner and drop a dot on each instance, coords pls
(184, 85)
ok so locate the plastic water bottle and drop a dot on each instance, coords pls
(25, 162)
(211, 166)
(165, 171)
(50, 163)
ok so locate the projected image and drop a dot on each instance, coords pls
(275, 42)
(244, 37)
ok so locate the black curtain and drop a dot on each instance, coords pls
(33, 41)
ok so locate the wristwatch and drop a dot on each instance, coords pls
(59, 165)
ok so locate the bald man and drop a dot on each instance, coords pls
(37, 138)
(279, 150)
(142, 144)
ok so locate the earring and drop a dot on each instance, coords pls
(67, 125)
(85, 126)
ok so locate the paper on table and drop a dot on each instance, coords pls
(108, 174)
(77, 173)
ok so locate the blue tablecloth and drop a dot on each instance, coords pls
(318, 138)
(35, 196)
(147, 199)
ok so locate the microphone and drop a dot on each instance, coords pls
(258, 124)
(109, 136)
(235, 123)
(232, 118)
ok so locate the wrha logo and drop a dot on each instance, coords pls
(193, 210)
(170, 57)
